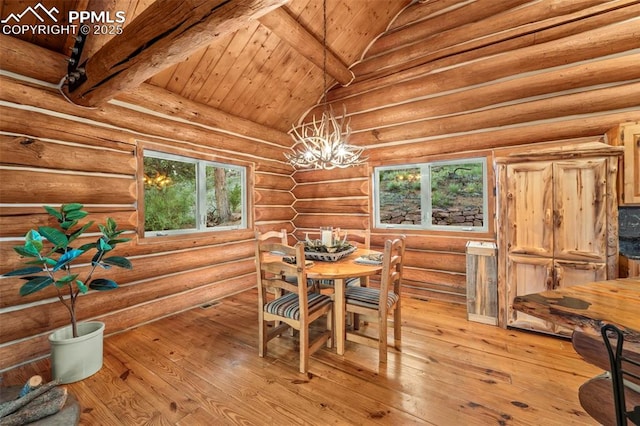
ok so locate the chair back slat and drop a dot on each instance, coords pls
(392, 268)
(358, 237)
(280, 236)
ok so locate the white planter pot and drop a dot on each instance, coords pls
(74, 359)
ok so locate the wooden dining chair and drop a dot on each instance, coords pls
(625, 367)
(282, 237)
(379, 302)
(360, 238)
(597, 396)
(295, 307)
(275, 236)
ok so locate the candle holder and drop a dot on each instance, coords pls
(326, 235)
(329, 247)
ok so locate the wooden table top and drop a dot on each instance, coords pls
(343, 268)
(588, 307)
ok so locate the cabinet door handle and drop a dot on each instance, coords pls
(550, 278)
(558, 218)
(557, 278)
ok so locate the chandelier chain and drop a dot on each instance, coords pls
(324, 53)
(324, 144)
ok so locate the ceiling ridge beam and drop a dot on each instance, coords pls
(295, 35)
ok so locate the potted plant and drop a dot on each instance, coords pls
(51, 257)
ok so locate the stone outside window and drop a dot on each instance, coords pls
(452, 194)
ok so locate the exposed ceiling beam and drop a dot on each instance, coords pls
(162, 35)
(291, 32)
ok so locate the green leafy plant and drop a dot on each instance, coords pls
(51, 263)
(171, 207)
(235, 197)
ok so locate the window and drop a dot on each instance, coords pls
(183, 195)
(444, 195)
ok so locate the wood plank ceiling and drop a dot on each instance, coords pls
(268, 71)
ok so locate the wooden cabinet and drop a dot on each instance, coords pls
(627, 135)
(557, 226)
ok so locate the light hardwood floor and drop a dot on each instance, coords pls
(201, 367)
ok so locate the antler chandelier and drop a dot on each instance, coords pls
(324, 144)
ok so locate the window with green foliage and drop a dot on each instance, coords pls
(183, 194)
(445, 195)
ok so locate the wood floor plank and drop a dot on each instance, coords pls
(263, 379)
(206, 393)
(174, 403)
(201, 367)
(219, 351)
(123, 403)
(429, 390)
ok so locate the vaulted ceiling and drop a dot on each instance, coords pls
(264, 66)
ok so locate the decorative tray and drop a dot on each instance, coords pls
(324, 256)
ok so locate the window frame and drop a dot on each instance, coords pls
(426, 196)
(200, 194)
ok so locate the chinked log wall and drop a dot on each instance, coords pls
(464, 82)
(456, 79)
(54, 152)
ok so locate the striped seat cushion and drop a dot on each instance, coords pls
(288, 306)
(368, 297)
(331, 283)
(292, 279)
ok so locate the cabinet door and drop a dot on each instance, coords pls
(529, 209)
(529, 274)
(526, 275)
(580, 201)
(575, 273)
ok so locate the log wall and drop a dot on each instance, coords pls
(53, 152)
(450, 79)
(460, 79)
